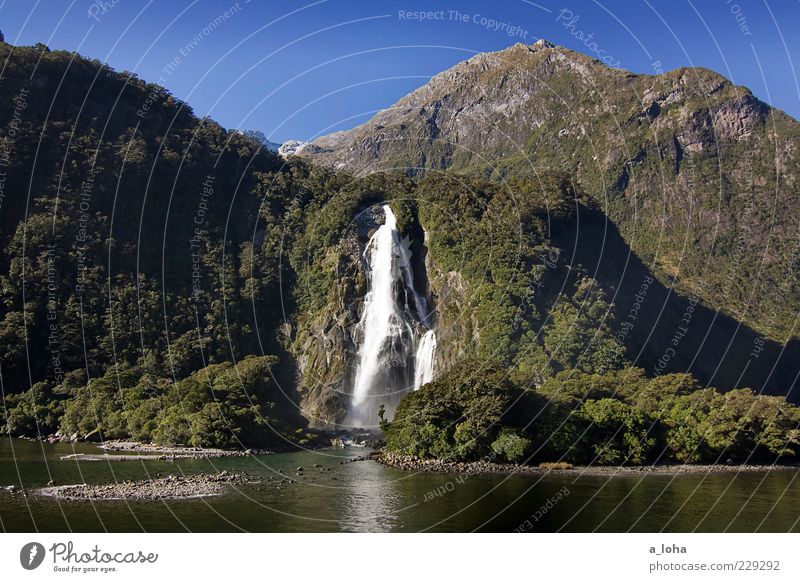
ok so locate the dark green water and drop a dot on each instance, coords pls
(365, 496)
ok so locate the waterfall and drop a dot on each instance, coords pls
(394, 316)
(425, 357)
(382, 320)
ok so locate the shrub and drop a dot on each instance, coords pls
(34, 412)
(511, 446)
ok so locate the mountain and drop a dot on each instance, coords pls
(699, 176)
(262, 139)
(164, 279)
(292, 147)
(288, 148)
(119, 264)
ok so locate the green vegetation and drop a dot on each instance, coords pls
(693, 194)
(527, 307)
(119, 262)
(618, 417)
(222, 405)
(165, 280)
(142, 250)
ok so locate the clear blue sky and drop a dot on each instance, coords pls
(296, 69)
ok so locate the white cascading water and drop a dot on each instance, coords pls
(382, 319)
(387, 356)
(424, 360)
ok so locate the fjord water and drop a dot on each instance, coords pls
(367, 497)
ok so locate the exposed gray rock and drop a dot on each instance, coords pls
(678, 161)
(170, 487)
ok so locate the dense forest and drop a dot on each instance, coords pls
(550, 378)
(122, 271)
(165, 280)
(478, 412)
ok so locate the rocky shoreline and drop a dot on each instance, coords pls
(135, 451)
(170, 487)
(406, 463)
(121, 450)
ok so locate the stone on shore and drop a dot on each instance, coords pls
(169, 487)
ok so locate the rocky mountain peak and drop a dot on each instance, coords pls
(684, 153)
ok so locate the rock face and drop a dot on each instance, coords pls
(294, 147)
(457, 331)
(698, 174)
(326, 343)
(324, 347)
(262, 139)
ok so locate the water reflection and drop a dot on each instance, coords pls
(367, 497)
(371, 501)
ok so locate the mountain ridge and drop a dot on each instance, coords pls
(486, 61)
(227, 315)
(687, 164)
